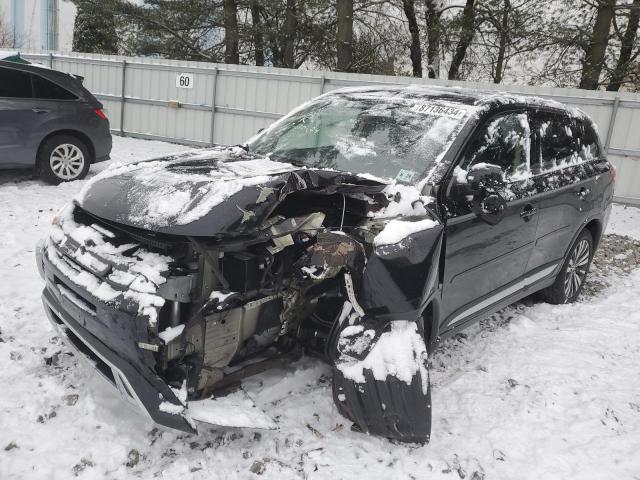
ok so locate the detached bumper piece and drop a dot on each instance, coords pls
(389, 408)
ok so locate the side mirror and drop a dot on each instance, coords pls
(487, 183)
(485, 176)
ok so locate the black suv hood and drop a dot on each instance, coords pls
(214, 192)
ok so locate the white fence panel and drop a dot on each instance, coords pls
(219, 103)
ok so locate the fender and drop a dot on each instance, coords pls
(381, 378)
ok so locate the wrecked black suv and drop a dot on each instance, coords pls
(361, 228)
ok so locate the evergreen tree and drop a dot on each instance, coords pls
(94, 30)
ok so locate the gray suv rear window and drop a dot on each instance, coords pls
(43, 88)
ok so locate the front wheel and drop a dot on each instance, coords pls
(572, 276)
(62, 158)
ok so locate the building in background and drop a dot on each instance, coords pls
(37, 25)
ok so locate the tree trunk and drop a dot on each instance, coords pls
(415, 50)
(231, 39)
(466, 36)
(504, 39)
(256, 28)
(344, 10)
(291, 23)
(626, 49)
(594, 55)
(434, 35)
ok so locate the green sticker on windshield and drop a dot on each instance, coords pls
(406, 176)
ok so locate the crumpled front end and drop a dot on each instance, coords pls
(333, 266)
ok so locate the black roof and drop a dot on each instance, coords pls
(479, 98)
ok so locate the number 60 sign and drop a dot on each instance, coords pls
(184, 80)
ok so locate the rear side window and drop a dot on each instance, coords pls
(558, 141)
(43, 88)
(14, 83)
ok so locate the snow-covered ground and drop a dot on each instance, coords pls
(536, 391)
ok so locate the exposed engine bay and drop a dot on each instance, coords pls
(237, 308)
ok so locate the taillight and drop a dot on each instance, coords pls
(101, 113)
(614, 173)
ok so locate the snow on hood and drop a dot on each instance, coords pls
(178, 190)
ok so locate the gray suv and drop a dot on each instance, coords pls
(50, 121)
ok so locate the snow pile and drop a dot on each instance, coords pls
(171, 333)
(405, 200)
(138, 274)
(233, 410)
(399, 353)
(397, 230)
(460, 174)
(172, 408)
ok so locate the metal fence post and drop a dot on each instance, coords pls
(612, 122)
(323, 80)
(122, 96)
(50, 60)
(213, 105)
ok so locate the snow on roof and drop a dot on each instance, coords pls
(478, 98)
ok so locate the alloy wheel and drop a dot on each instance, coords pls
(577, 268)
(67, 161)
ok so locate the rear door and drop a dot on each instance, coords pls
(485, 256)
(565, 146)
(17, 117)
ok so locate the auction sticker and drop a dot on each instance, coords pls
(405, 176)
(438, 110)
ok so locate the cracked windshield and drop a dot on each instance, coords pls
(392, 138)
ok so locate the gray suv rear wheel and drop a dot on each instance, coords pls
(63, 158)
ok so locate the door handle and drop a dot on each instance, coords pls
(583, 193)
(39, 110)
(528, 212)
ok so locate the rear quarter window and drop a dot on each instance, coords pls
(14, 83)
(588, 141)
(45, 89)
(565, 141)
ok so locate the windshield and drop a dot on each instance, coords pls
(389, 137)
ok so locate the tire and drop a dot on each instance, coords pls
(62, 158)
(572, 276)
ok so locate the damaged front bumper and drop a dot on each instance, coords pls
(79, 321)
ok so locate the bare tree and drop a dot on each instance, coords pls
(6, 33)
(290, 26)
(231, 35)
(415, 49)
(626, 57)
(256, 28)
(504, 40)
(433, 14)
(597, 47)
(466, 37)
(344, 10)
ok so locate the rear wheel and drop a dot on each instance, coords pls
(573, 274)
(62, 158)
